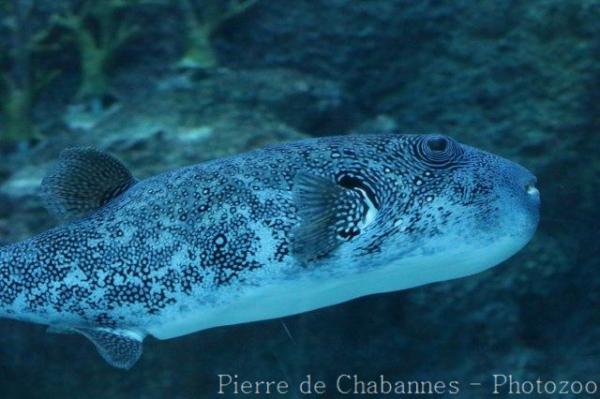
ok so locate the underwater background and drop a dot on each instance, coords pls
(163, 84)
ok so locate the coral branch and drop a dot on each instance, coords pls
(24, 80)
(99, 34)
(201, 25)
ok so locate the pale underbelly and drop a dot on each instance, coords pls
(302, 295)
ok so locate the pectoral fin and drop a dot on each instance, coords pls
(120, 348)
(329, 215)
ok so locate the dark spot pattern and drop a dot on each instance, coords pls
(179, 239)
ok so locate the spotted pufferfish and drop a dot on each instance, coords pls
(260, 235)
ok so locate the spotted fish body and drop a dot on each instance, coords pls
(265, 234)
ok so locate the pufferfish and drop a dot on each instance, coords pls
(265, 234)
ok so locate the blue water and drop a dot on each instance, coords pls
(165, 84)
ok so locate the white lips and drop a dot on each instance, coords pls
(532, 190)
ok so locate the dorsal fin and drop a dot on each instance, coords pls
(82, 181)
(329, 215)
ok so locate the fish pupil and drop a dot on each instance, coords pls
(437, 144)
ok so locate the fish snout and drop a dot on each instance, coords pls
(528, 183)
(531, 189)
(524, 204)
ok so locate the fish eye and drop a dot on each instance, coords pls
(437, 143)
(437, 151)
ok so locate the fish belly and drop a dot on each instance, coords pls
(306, 294)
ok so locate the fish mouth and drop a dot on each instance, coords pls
(530, 209)
(531, 189)
(524, 187)
(520, 213)
(533, 199)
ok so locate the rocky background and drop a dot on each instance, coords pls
(163, 84)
